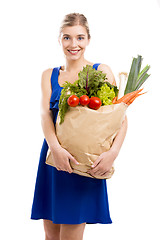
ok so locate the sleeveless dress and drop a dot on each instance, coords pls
(67, 198)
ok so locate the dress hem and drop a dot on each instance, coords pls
(87, 222)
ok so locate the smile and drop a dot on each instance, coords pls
(73, 52)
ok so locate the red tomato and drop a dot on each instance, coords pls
(84, 100)
(95, 103)
(73, 101)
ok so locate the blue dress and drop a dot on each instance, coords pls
(67, 198)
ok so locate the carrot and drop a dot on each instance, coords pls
(127, 97)
(131, 101)
(114, 100)
(137, 95)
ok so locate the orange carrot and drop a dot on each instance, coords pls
(137, 95)
(127, 97)
(131, 101)
(114, 100)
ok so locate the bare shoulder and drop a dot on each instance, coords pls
(46, 74)
(45, 78)
(104, 67)
(109, 74)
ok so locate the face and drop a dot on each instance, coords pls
(74, 41)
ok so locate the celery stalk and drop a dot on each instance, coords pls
(122, 83)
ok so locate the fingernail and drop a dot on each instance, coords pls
(77, 163)
(92, 166)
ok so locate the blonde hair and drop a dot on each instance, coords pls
(74, 19)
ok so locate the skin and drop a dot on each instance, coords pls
(73, 38)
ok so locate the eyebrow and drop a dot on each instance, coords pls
(79, 35)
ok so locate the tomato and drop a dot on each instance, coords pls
(95, 103)
(84, 100)
(73, 101)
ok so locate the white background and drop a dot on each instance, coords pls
(120, 30)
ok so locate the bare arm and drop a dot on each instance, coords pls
(119, 139)
(105, 161)
(46, 114)
(60, 155)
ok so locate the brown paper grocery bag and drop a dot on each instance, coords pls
(86, 133)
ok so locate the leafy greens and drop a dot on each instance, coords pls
(90, 82)
(106, 95)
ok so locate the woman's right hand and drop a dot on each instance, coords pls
(61, 159)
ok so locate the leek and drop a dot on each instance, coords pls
(142, 76)
(136, 77)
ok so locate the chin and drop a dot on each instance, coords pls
(74, 58)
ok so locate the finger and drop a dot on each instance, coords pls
(92, 171)
(96, 168)
(99, 172)
(96, 172)
(96, 163)
(73, 159)
(105, 174)
(69, 168)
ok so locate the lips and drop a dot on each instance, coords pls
(74, 52)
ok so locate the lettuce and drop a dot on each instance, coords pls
(106, 94)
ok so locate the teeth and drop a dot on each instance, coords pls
(73, 51)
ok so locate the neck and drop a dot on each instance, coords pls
(73, 65)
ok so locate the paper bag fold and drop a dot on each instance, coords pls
(86, 133)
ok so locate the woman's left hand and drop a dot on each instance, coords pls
(103, 164)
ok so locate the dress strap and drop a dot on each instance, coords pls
(96, 65)
(54, 76)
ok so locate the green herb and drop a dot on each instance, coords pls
(135, 77)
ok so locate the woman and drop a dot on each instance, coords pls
(64, 200)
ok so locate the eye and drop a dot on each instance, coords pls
(80, 38)
(66, 38)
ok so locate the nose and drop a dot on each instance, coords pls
(74, 42)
